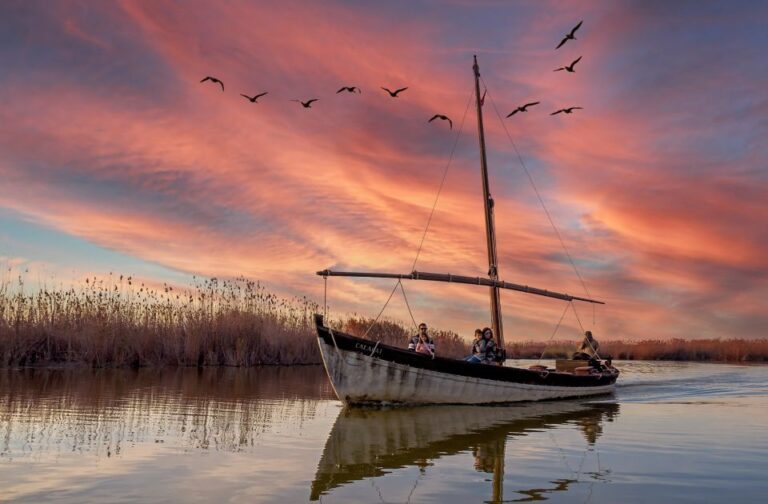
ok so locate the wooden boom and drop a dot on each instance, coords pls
(443, 277)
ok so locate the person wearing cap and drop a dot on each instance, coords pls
(588, 348)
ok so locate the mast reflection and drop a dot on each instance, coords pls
(368, 443)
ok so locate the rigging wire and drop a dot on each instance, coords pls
(442, 182)
(554, 332)
(325, 297)
(382, 310)
(536, 190)
(429, 221)
(407, 305)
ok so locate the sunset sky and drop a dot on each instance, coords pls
(114, 157)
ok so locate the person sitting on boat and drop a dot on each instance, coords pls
(416, 339)
(588, 348)
(425, 345)
(478, 348)
(489, 347)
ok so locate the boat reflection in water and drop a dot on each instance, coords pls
(367, 443)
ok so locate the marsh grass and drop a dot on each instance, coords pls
(118, 322)
(714, 350)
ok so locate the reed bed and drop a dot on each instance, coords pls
(118, 322)
(702, 350)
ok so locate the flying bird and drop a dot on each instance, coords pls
(253, 99)
(306, 104)
(214, 80)
(522, 108)
(444, 118)
(349, 89)
(569, 68)
(394, 94)
(570, 35)
(568, 110)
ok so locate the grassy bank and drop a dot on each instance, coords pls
(116, 322)
(702, 350)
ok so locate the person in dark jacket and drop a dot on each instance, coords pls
(489, 354)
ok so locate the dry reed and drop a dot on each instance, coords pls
(115, 322)
(705, 350)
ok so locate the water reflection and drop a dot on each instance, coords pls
(99, 411)
(368, 443)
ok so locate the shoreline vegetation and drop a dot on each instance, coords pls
(118, 322)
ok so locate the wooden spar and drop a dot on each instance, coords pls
(444, 277)
(493, 270)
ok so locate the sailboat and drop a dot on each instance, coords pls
(363, 371)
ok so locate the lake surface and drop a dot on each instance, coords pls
(673, 432)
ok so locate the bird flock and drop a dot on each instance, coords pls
(307, 104)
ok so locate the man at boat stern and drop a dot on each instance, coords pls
(588, 348)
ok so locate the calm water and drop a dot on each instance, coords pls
(672, 433)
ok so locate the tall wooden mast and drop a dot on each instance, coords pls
(493, 270)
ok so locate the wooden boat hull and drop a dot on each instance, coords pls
(363, 371)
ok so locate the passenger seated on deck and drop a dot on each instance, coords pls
(424, 345)
(478, 348)
(489, 356)
(588, 348)
(413, 344)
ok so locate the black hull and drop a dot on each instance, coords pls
(459, 368)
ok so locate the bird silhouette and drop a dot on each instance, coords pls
(214, 80)
(569, 68)
(570, 36)
(568, 110)
(253, 99)
(522, 108)
(306, 104)
(349, 89)
(394, 94)
(444, 118)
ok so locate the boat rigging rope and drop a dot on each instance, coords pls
(554, 332)
(536, 190)
(407, 305)
(429, 221)
(442, 182)
(382, 309)
(582, 329)
(412, 318)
